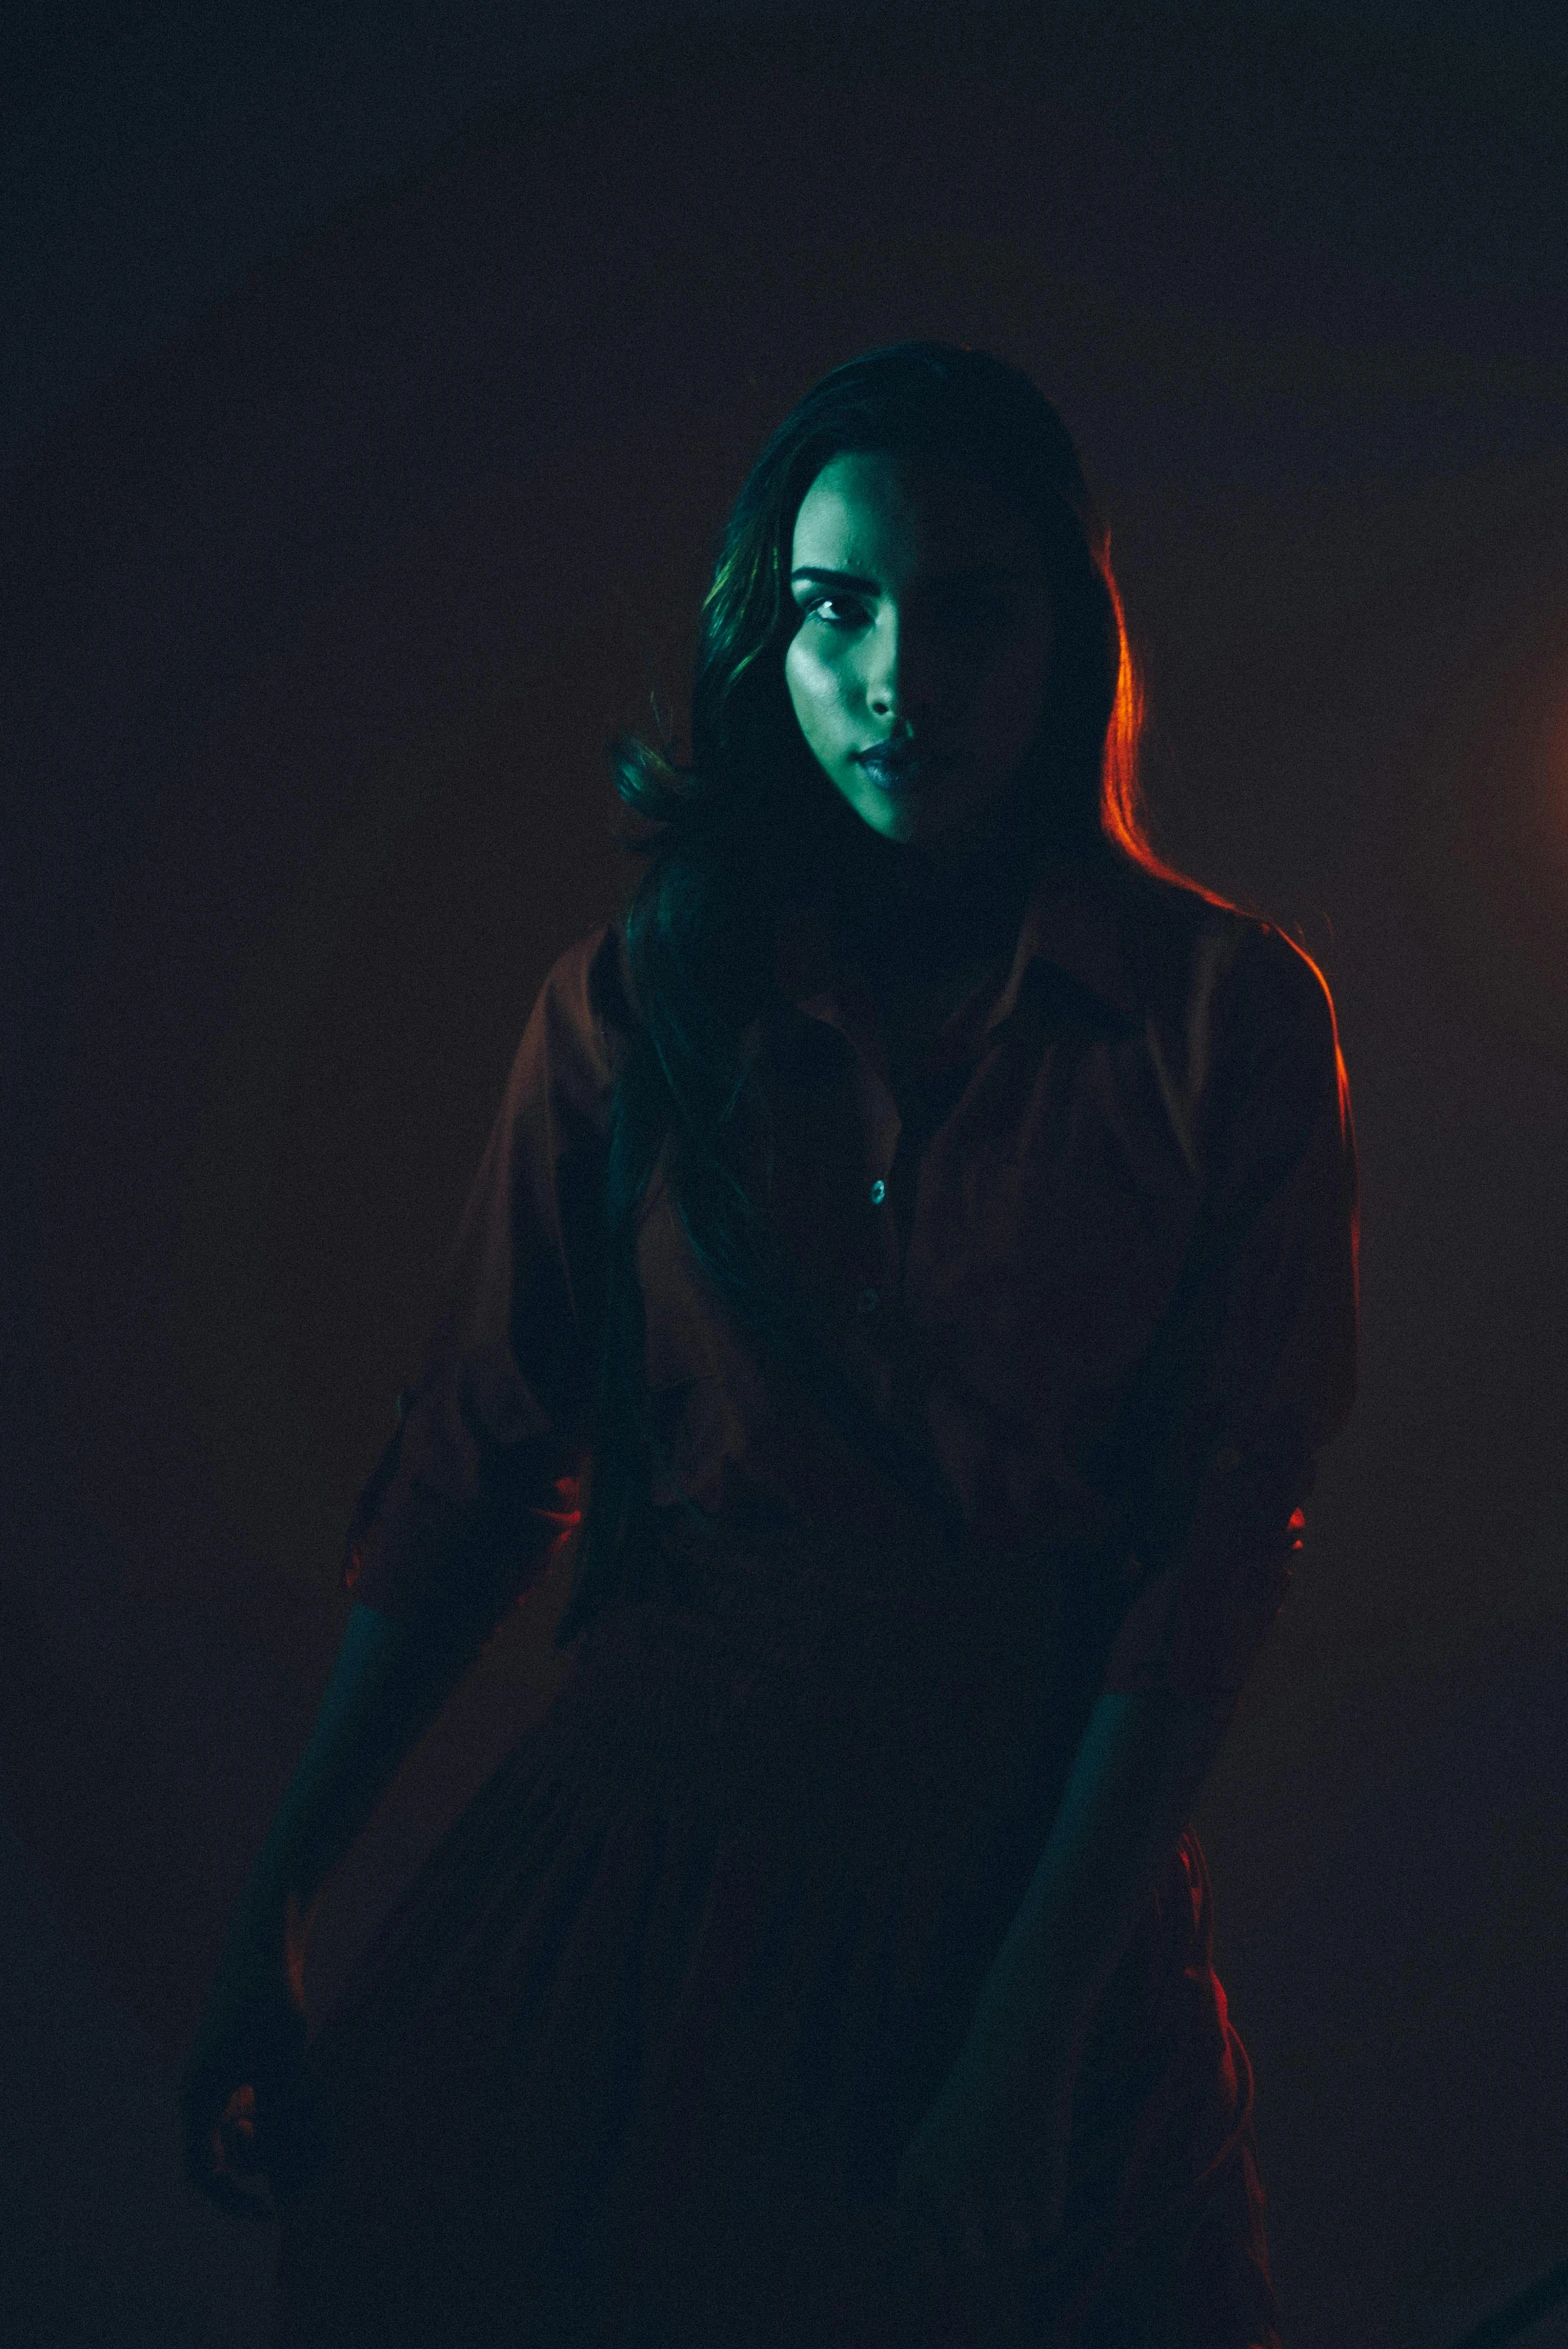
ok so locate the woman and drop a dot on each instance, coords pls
(933, 1223)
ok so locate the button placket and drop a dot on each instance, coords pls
(869, 1298)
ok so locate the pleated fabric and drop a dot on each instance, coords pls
(631, 2064)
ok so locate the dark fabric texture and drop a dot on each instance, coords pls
(632, 2063)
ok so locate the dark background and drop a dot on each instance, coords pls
(376, 381)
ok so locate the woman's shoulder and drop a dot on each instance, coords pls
(575, 1034)
(587, 987)
(1226, 967)
(1238, 1016)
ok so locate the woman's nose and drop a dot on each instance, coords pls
(900, 680)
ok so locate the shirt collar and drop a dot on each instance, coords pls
(1077, 920)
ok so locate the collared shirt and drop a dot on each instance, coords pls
(1088, 1264)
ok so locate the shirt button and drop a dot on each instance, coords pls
(878, 1192)
(867, 1301)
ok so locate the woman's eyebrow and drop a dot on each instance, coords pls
(979, 575)
(851, 579)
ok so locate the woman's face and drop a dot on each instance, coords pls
(918, 671)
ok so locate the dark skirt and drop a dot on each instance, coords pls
(631, 2064)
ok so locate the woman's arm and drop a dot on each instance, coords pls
(472, 1496)
(1136, 1775)
(1252, 1373)
(389, 1681)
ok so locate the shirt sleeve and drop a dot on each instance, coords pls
(1254, 1368)
(480, 1479)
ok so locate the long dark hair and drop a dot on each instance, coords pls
(731, 835)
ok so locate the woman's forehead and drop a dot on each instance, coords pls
(880, 515)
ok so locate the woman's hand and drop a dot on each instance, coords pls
(238, 2082)
(985, 2174)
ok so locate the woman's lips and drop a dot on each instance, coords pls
(901, 770)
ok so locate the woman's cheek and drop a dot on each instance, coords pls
(814, 691)
(795, 679)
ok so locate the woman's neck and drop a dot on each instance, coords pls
(899, 908)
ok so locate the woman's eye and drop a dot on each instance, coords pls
(953, 616)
